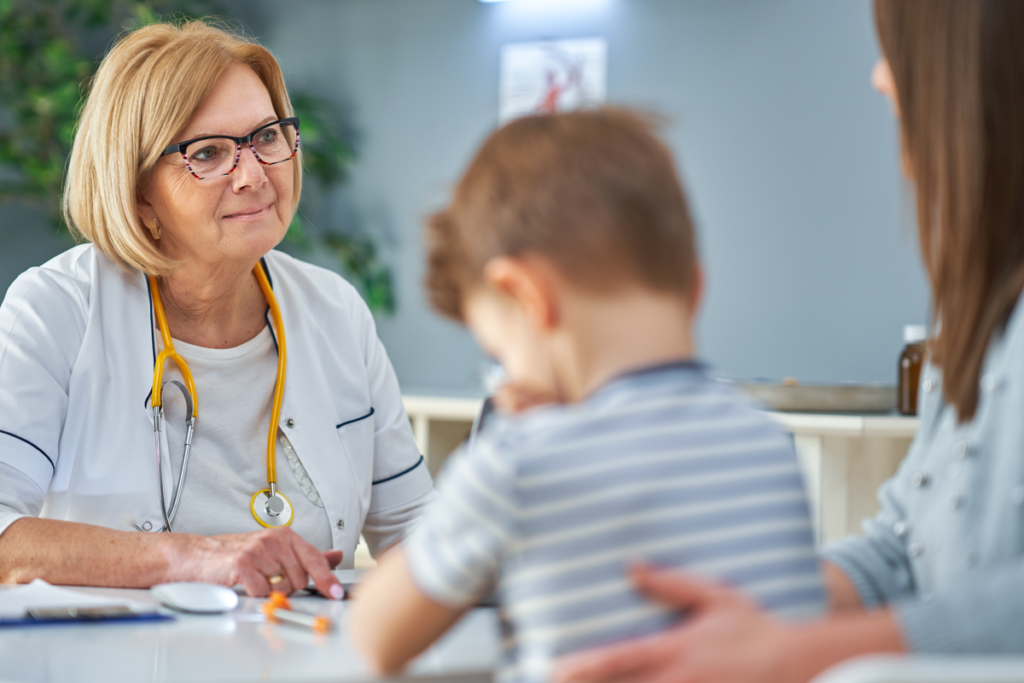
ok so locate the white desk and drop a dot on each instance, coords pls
(237, 646)
(844, 457)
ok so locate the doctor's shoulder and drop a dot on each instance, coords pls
(58, 292)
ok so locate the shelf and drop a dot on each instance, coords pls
(823, 424)
(438, 408)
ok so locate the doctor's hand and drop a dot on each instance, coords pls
(725, 637)
(252, 559)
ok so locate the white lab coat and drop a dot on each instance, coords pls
(77, 350)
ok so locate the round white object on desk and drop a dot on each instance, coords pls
(199, 598)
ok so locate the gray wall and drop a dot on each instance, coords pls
(789, 157)
(27, 239)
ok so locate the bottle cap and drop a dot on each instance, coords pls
(912, 334)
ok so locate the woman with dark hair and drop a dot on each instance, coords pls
(940, 569)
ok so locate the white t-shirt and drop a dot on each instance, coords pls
(228, 462)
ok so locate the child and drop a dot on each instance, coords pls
(569, 252)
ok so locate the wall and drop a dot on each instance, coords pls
(27, 239)
(788, 155)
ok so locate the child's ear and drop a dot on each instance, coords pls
(528, 284)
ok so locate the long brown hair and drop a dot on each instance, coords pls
(958, 70)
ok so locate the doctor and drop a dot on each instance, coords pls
(183, 177)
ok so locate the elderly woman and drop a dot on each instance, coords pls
(179, 336)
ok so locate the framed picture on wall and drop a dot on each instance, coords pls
(550, 76)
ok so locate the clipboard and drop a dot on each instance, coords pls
(50, 616)
(39, 604)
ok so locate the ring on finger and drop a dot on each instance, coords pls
(275, 578)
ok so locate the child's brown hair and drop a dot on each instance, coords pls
(595, 192)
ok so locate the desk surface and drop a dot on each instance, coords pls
(237, 646)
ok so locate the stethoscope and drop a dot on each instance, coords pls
(269, 506)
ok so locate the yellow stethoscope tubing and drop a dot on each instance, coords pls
(168, 353)
(156, 402)
(282, 364)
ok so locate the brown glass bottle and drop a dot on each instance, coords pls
(911, 360)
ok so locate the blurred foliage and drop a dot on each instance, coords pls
(43, 72)
(326, 157)
(45, 66)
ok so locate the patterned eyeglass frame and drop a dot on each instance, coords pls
(180, 147)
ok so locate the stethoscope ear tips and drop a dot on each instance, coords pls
(129, 520)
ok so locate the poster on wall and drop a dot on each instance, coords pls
(553, 75)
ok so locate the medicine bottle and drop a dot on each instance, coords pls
(911, 360)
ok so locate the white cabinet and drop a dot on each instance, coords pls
(845, 458)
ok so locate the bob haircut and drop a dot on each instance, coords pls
(595, 192)
(142, 97)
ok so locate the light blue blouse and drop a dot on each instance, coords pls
(947, 548)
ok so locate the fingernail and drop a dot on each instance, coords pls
(337, 591)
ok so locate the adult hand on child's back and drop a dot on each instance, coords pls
(725, 637)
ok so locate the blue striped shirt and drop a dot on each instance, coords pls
(663, 465)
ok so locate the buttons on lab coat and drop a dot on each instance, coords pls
(960, 450)
(919, 479)
(901, 529)
(915, 549)
(289, 423)
(928, 385)
(954, 501)
(341, 524)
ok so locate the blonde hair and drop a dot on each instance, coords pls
(144, 94)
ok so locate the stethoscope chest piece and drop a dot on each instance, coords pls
(271, 509)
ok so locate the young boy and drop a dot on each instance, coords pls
(569, 252)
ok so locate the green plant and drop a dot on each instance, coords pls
(43, 67)
(49, 50)
(326, 156)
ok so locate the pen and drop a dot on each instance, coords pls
(278, 609)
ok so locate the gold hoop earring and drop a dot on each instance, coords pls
(154, 228)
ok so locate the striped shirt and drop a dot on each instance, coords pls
(663, 465)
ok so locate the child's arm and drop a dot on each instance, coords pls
(443, 567)
(392, 621)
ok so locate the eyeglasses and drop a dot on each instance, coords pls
(217, 155)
